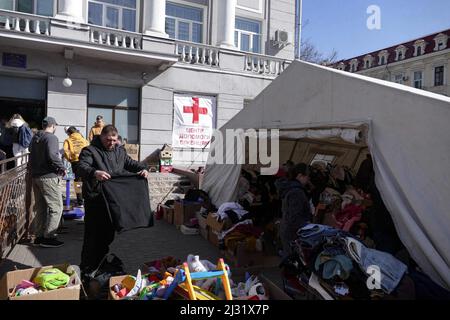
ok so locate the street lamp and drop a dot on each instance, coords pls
(67, 82)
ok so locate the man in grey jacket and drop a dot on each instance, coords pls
(47, 169)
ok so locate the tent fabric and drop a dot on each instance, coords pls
(408, 139)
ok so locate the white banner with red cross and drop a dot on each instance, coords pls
(193, 121)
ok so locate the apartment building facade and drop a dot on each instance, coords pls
(422, 63)
(132, 61)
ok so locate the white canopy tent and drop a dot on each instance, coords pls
(408, 137)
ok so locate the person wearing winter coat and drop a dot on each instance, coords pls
(21, 137)
(47, 170)
(99, 162)
(96, 130)
(72, 149)
(296, 210)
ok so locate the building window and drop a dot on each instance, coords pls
(382, 60)
(400, 55)
(328, 159)
(119, 106)
(39, 7)
(247, 36)
(418, 79)
(439, 76)
(419, 51)
(367, 64)
(184, 23)
(117, 14)
(441, 42)
(398, 78)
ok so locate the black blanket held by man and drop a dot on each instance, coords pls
(99, 225)
(128, 202)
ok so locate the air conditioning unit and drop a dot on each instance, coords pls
(282, 38)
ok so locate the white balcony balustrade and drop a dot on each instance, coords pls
(198, 54)
(115, 38)
(265, 65)
(23, 22)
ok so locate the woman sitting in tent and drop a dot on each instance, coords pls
(295, 207)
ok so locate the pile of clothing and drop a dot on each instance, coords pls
(332, 264)
(339, 265)
(47, 280)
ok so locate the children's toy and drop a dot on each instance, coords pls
(68, 211)
(183, 282)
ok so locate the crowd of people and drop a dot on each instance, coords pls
(92, 161)
(300, 194)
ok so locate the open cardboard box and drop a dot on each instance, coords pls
(168, 213)
(184, 211)
(241, 257)
(273, 291)
(11, 279)
(113, 281)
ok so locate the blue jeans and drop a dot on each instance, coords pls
(392, 270)
(313, 235)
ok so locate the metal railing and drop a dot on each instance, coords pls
(23, 22)
(15, 203)
(195, 53)
(115, 38)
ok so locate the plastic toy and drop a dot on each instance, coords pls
(183, 283)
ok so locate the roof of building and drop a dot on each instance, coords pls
(429, 48)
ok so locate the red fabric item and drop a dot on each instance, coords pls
(248, 230)
(281, 173)
(347, 217)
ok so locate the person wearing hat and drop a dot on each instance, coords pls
(97, 128)
(72, 149)
(46, 169)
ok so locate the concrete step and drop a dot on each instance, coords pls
(167, 186)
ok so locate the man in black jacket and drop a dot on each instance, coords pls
(46, 169)
(295, 207)
(99, 162)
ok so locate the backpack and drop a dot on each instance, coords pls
(25, 136)
(97, 282)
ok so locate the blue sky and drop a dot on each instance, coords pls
(342, 24)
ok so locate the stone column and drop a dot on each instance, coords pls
(227, 20)
(155, 18)
(70, 10)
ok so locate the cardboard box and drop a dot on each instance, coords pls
(274, 292)
(113, 281)
(13, 278)
(204, 232)
(201, 220)
(132, 150)
(213, 223)
(241, 257)
(213, 237)
(184, 211)
(168, 213)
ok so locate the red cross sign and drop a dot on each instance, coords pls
(195, 110)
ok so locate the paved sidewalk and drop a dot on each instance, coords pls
(133, 247)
